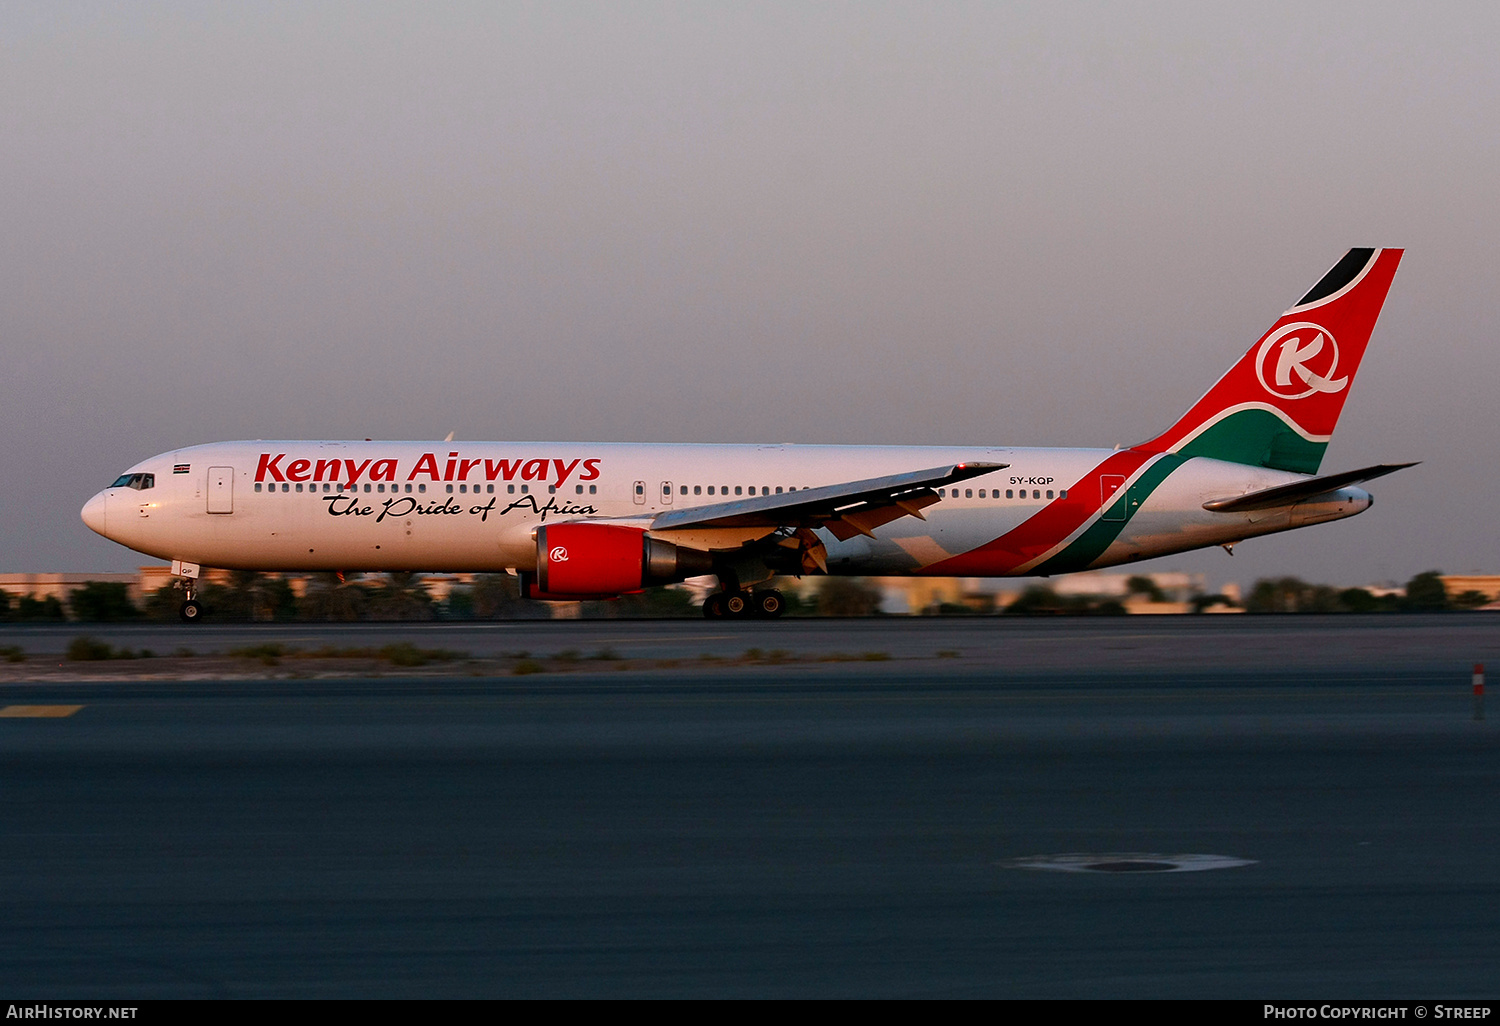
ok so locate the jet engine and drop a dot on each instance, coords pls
(591, 561)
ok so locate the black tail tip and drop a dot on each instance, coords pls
(1341, 274)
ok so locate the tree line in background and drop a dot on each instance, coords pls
(1424, 594)
(247, 596)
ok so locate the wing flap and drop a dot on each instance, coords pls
(863, 519)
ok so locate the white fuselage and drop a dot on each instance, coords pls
(399, 506)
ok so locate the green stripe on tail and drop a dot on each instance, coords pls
(1258, 438)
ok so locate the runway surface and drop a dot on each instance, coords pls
(837, 828)
(1346, 643)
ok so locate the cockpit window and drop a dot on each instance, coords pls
(139, 482)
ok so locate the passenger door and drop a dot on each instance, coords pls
(221, 489)
(1109, 488)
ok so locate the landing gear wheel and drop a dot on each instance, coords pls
(737, 604)
(769, 603)
(713, 607)
(191, 611)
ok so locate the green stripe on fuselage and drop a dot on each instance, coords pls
(1258, 438)
(1090, 545)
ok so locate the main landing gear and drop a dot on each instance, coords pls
(767, 604)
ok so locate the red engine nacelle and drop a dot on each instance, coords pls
(586, 561)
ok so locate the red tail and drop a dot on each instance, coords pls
(1278, 406)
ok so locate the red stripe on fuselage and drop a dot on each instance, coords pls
(1051, 525)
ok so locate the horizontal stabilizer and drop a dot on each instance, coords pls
(1286, 495)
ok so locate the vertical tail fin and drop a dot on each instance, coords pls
(1278, 405)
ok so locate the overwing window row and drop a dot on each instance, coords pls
(994, 493)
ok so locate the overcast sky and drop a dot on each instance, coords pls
(891, 223)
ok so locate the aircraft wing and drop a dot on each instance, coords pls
(856, 507)
(1285, 495)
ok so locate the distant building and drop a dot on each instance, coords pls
(59, 586)
(1176, 587)
(1487, 585)
(915, 595)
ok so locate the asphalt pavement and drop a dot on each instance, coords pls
(853, 828)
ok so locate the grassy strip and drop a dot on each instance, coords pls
(399, 654)
(85, 649)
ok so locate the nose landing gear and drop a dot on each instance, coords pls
(191, 610)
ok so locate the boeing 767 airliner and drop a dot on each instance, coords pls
(600, 520)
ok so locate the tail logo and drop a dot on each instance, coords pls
(1299, 349)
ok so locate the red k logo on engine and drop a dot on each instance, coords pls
(1299, 360)
(584, 560)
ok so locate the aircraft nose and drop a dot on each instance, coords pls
(93, 513)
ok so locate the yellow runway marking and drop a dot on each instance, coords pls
(38, 712)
